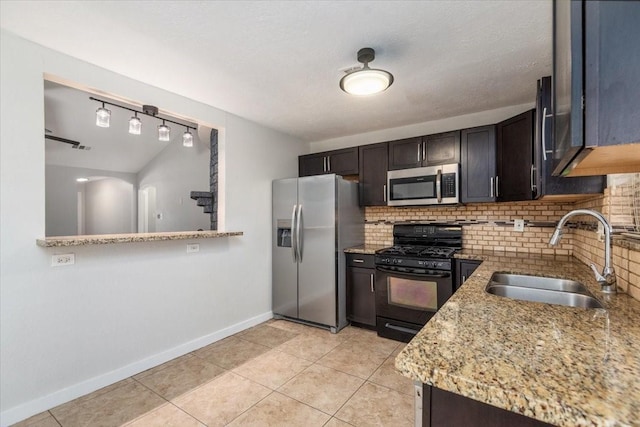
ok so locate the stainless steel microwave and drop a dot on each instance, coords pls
(431, 185)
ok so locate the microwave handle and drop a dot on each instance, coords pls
(439, 185)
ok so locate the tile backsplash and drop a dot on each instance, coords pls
(489, 226)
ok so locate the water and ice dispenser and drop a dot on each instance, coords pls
(284, 233)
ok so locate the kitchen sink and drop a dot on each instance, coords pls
(542, 289)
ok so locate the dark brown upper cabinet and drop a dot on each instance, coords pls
(442, 148)
(478, 164)
(373, 168)
(596, 81)
(405, 153)
(430, 150)
(341, 162)
(547, 185)
(514, 179)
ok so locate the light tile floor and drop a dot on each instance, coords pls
(278, 373)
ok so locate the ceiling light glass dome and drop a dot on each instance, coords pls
(366, 81)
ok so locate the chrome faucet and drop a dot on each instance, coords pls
(607, 279)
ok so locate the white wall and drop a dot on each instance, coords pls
(426, 128)
(109, 207)
(62, 196)
(66, 331)
(175, 172)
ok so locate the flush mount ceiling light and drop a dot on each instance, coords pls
(103, 117)
(135, 124)
(366, 81)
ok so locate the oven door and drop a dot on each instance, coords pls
(411, 297)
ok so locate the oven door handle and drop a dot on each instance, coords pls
(426, 276)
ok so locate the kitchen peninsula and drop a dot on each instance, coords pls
(559, 365)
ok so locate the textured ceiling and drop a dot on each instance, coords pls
(279, 63)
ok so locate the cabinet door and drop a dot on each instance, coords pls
(442, 148)
(546, 183)
(361, 302)
(464, 269)
(478, 164)
(343, 162)
(374, 162)
(515, 158)
(312, 164)
(567, 82)
(405, 153)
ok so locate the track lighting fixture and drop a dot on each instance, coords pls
(164, 132)
(102, 117)
(135, 124)
(366, 81)
(187, 139)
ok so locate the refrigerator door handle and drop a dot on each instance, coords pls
(294, 249)
(299, 236)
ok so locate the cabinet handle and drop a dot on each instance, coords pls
(371, 282)
(384, 190)
(491, 187)
(359, 261)
(420, 152)
(424, 151)
(439, 185)
(544, 143)
(328, 163)
(464, 279)
(324, 164)
(497, 187)
(533, 186)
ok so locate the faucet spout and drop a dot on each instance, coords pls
(607, 279)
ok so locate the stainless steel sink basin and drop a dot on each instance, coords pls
(542, 289)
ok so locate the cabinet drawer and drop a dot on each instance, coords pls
(360, 260)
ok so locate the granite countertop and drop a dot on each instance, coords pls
(561, 365)
(104, 239)
(365, 249)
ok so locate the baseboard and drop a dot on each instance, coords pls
(33, 407)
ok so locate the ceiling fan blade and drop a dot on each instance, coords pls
(65, 140)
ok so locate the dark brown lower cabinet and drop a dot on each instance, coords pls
(445, 409)
(464, 269)
(361, 301)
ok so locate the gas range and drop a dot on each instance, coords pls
(422, 246)
(414, 277)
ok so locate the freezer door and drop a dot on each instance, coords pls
(317, 297)
(285, 267)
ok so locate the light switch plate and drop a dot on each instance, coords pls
(518, 225)
(193, 247)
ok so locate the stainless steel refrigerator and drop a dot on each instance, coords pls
(314, 219)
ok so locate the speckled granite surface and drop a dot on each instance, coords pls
(365, 249)
(565, 366)
(103, 239)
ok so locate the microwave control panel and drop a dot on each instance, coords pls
(449, 185)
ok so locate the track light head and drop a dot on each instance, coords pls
(103, 117)
(135, 125)
(164, 132)
(187, 139)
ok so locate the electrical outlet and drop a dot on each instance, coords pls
(518, 225)
(600, 232)
(193, 247)
(62, 259)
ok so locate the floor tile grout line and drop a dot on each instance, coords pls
(170, 402)
(55, 419)
(250, 407)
